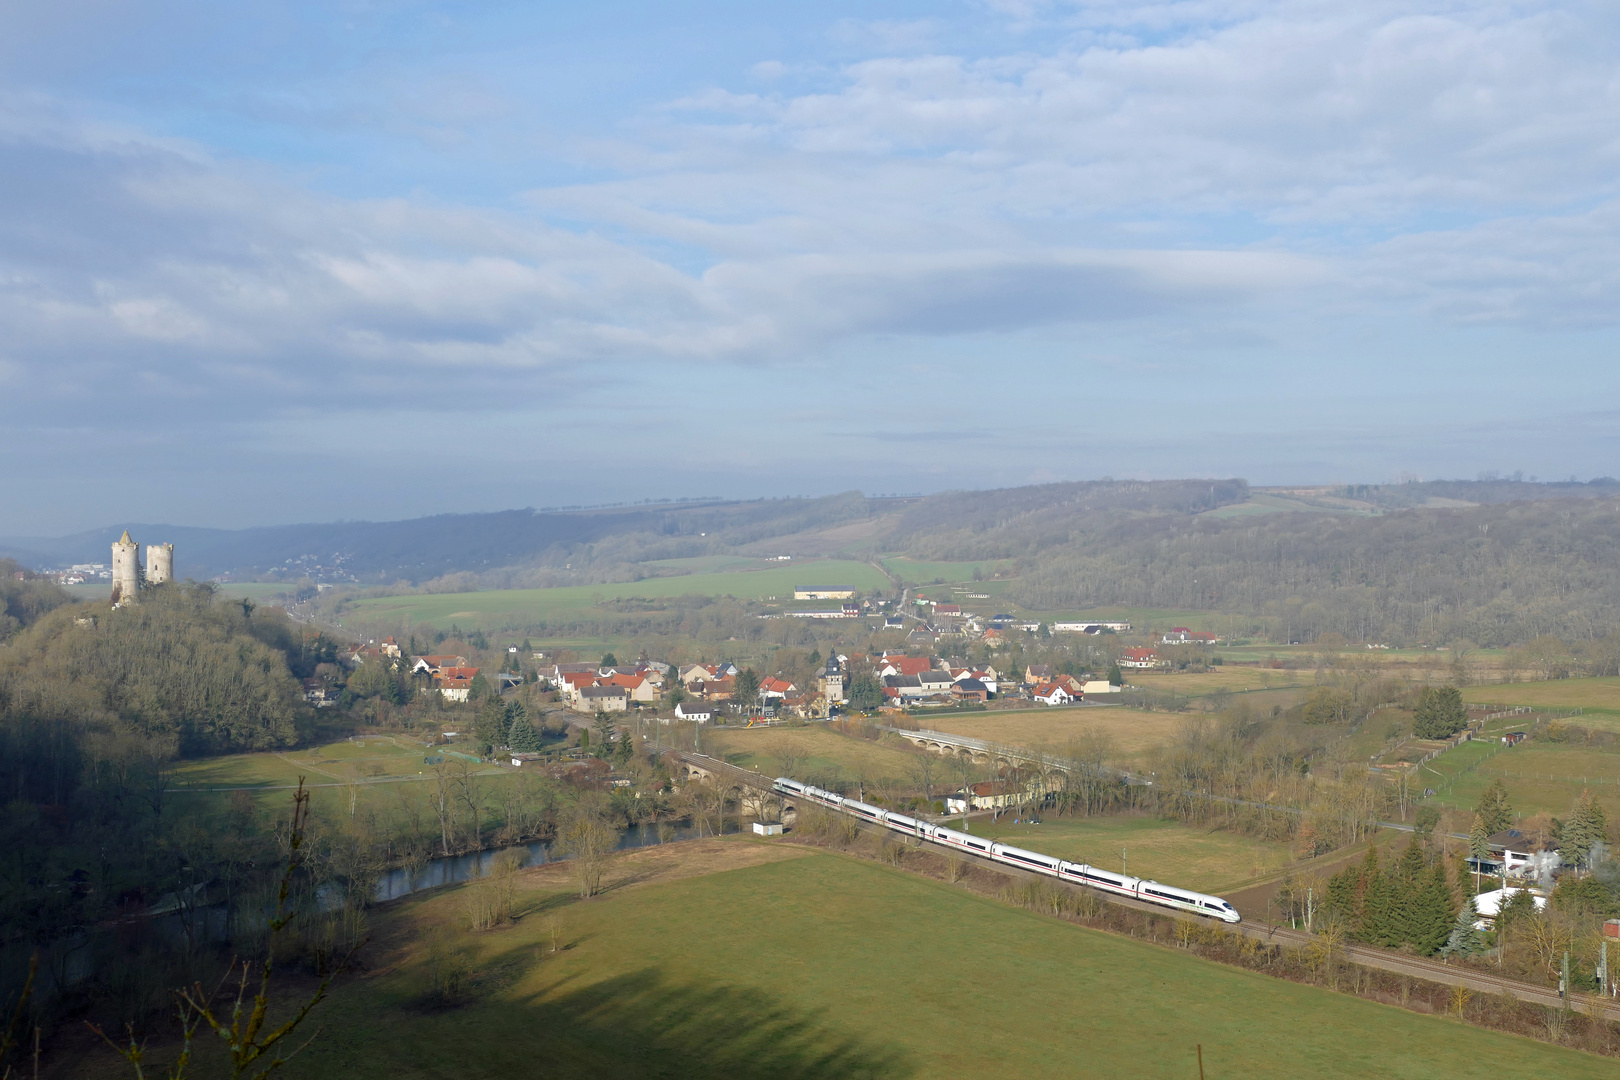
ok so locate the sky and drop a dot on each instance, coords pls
(312, 261)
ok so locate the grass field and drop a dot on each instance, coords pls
(1132, 730)
(518, 608)
(917, 571)
(1167, 851)
(396, 782)
(1235, 679)
(1540, 777)
(1592, 695)
(766, 961)
(824, 753)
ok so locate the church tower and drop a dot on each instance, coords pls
(126, 570)
(832, 679)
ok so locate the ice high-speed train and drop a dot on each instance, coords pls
(1151, 892)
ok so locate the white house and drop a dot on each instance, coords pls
(1488, 905)
(1052, 694)
(698, 711)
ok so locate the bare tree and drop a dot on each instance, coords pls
(924, 770)
(586, 839)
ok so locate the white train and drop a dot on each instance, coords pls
(1151, 892)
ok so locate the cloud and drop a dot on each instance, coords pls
(1137, 182)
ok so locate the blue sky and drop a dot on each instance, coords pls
(304, 262)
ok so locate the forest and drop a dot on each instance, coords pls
(1495, 575)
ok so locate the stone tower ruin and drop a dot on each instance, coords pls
(127, 576)
(159, 563)
(126, 570)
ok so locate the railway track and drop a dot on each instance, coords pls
(1366, 956)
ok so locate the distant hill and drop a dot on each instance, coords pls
(421, 549)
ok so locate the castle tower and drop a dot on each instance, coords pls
(159, 563)
(126, 570)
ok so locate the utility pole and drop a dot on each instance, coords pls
(1563, 983)
(1124, 861)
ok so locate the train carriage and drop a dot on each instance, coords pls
(1141, 889)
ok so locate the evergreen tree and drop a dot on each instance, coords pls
(1344, 896)
(1366, 875)
(745, 689)
(609, 660)
(1116, 677)
(490, 725)
(865, 693)
(1584, 828)
(815, 658)
(1479, 838)
(1433, 912)
(1378, 917)
(1406, 889)
(1440, 713)
(623, 749)
(604, 726)
(1495, 808)
(1465, 938)
(523, 738)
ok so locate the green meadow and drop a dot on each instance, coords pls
(804, 964)
(518, 608)
(1168, 851)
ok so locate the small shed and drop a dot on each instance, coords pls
(767, 828)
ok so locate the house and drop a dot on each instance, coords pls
(969, 690)
(1091, 627)
(1141, 659)
(455, 683)
(317, 694)
(1180, 635)
(934, 680)
(1520, 856)
(571, 683)
(950, 610)
(389, 648)
(1038, 673)
(904, 686)
(713, 690)
(991, 794)
(1488, 905)
(823, 592)
(638, 688)
(985, 675)
(893, 622)
(594, 699)
(773, 688)
(430, 665)
(693, 710)
(903, 665)
(696, 673)
(1051, 693)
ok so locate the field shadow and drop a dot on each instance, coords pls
(642, 1024)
